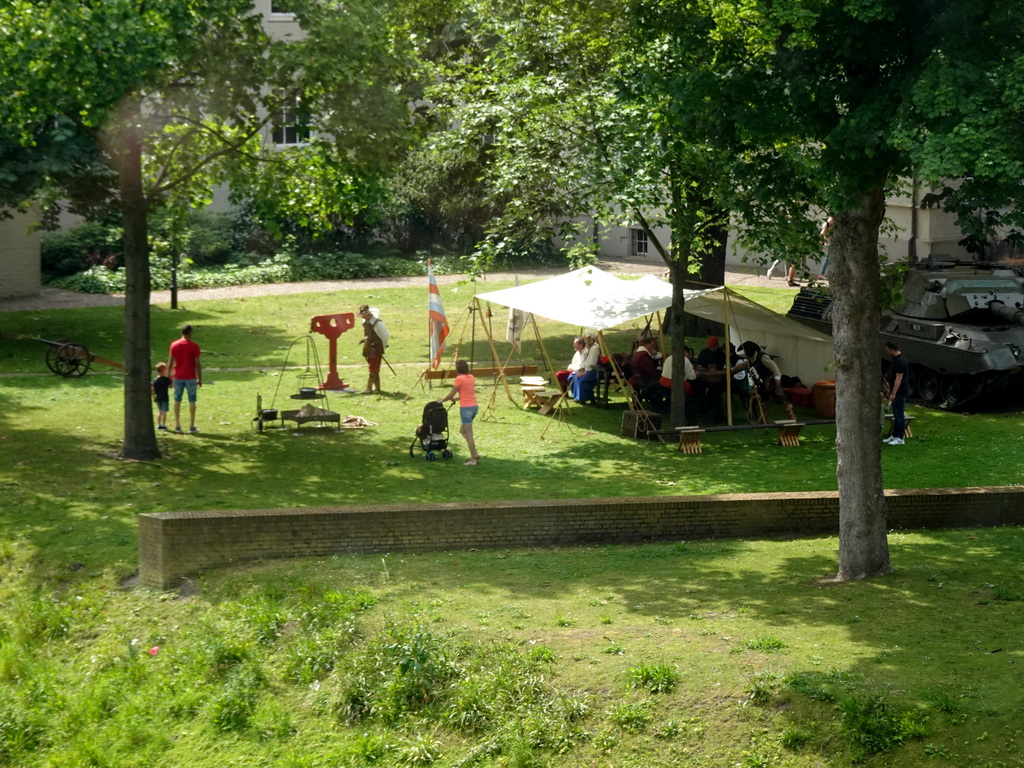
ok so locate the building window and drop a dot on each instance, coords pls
(291, 126)
(637, 242)
(282, 7)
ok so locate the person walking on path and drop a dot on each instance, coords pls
(465, 390)
(897, 393)
(826, 244)
(375, 341)
(187, 373)
(161, 388)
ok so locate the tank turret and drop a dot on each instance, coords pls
(961, 328)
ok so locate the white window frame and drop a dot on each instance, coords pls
(288, 129)
(639, 245)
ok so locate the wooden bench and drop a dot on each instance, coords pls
(787, 429)
(892, 425)
(441, 374)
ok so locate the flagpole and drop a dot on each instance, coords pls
(437, 321)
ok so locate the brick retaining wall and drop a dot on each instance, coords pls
(173, 545)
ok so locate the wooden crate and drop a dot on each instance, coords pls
(638, 424)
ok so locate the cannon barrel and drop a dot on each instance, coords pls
(1006, 312)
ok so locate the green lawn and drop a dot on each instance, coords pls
(485, 658)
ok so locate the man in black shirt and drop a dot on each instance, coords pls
(710, 383)
(897, 392)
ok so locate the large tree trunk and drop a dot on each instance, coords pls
(854, 276)
(677, 340)
(139, 434)
(712, 261)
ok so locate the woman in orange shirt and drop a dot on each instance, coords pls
(465, 390)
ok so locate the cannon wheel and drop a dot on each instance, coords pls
(69, 360)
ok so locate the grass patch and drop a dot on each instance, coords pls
(264, 659)
(491, 658)
(655, 678)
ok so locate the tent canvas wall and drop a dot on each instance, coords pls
(592, 298)
(801, 351)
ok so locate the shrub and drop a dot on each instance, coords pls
(280, 269)
(18, 732)
(630, 717)
(234, 707)
(767, 644)
(761, 688)
(366, 748)
(874, 725)
(794, 739)
(401, 673)
(76, 250)
(419, 750)
(656, 678)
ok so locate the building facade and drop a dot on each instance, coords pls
(19, 254)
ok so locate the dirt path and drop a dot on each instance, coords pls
(53, 298)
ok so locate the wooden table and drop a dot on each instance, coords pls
(545, 399)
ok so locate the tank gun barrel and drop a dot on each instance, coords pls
(1008, 313)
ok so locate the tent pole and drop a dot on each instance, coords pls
(473, 309)
(616, 371)
(728, 363)
(495, 360)
(543, 349)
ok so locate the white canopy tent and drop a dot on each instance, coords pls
(587, 297)
(591, 298)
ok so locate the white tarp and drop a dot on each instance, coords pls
(591, 298)
(588, 297)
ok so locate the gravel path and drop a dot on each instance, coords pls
(52, 298)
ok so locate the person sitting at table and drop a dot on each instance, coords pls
(712, 357)
(709, 385)
(646, 378)
(575, 365)
(764, 373)
(689, 375)
(582, 381)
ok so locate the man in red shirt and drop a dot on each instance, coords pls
(187, 374)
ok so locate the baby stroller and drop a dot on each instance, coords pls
(432, 433)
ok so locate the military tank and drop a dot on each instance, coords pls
(960, 325)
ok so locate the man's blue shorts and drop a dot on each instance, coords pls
(468, 413)
(180, 385)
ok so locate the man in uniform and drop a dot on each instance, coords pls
(375, 341)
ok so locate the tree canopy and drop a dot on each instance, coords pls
(878, 92)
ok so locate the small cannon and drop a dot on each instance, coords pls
(67, 358)
(70, 359)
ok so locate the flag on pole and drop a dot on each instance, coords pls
(517, 320)
(437, 320)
